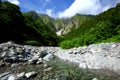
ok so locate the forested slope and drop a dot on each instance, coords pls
(104, 27)
(24, 28)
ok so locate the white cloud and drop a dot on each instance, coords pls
(86, 7)
(14, 2)
(49, 12)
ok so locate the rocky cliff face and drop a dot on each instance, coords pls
(60, 25)
(63, 26)
(104, 56)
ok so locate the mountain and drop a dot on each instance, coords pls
(104, 27)
(40, 29)
(24, 29)
(62, 26)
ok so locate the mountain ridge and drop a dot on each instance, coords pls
(104, 27)
(62, 25)
(80, 30)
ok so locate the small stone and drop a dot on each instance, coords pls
(12, 53)
(21, 75)
(19, 50)
(31, 74)
(94, 79)
(2, 64)
(83, 65)
(45, 65)
(70, 52)
(4, 54)
(48, 69)
(14, 65)
(39, 62)
(40, 59)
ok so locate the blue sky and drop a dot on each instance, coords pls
(65, 8)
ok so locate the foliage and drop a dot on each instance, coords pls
(20, 27)
(32, 42)
(48, 35)
(104, 27)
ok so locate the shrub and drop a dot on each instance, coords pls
(32, 42)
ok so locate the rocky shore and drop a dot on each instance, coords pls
(95, 56)
(13, 57)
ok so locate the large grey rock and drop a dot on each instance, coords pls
(34, 60)
(5, 76)
(48, 57)
(11, 59)
(43, 54)
(13, 77)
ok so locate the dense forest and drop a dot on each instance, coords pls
(35, 29)
(24, 29)
(104, 27)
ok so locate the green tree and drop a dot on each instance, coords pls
(26, 29)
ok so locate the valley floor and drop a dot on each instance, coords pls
(93, 62)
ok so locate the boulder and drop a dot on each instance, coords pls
(5, 76)
(13, 59)
(43, 54)
(13, 77)
(48, 57)
(33, 60)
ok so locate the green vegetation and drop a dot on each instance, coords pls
(104, 27)
(33, 29)
(24, 28)
(32, 42)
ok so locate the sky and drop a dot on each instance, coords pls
(65, 8)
